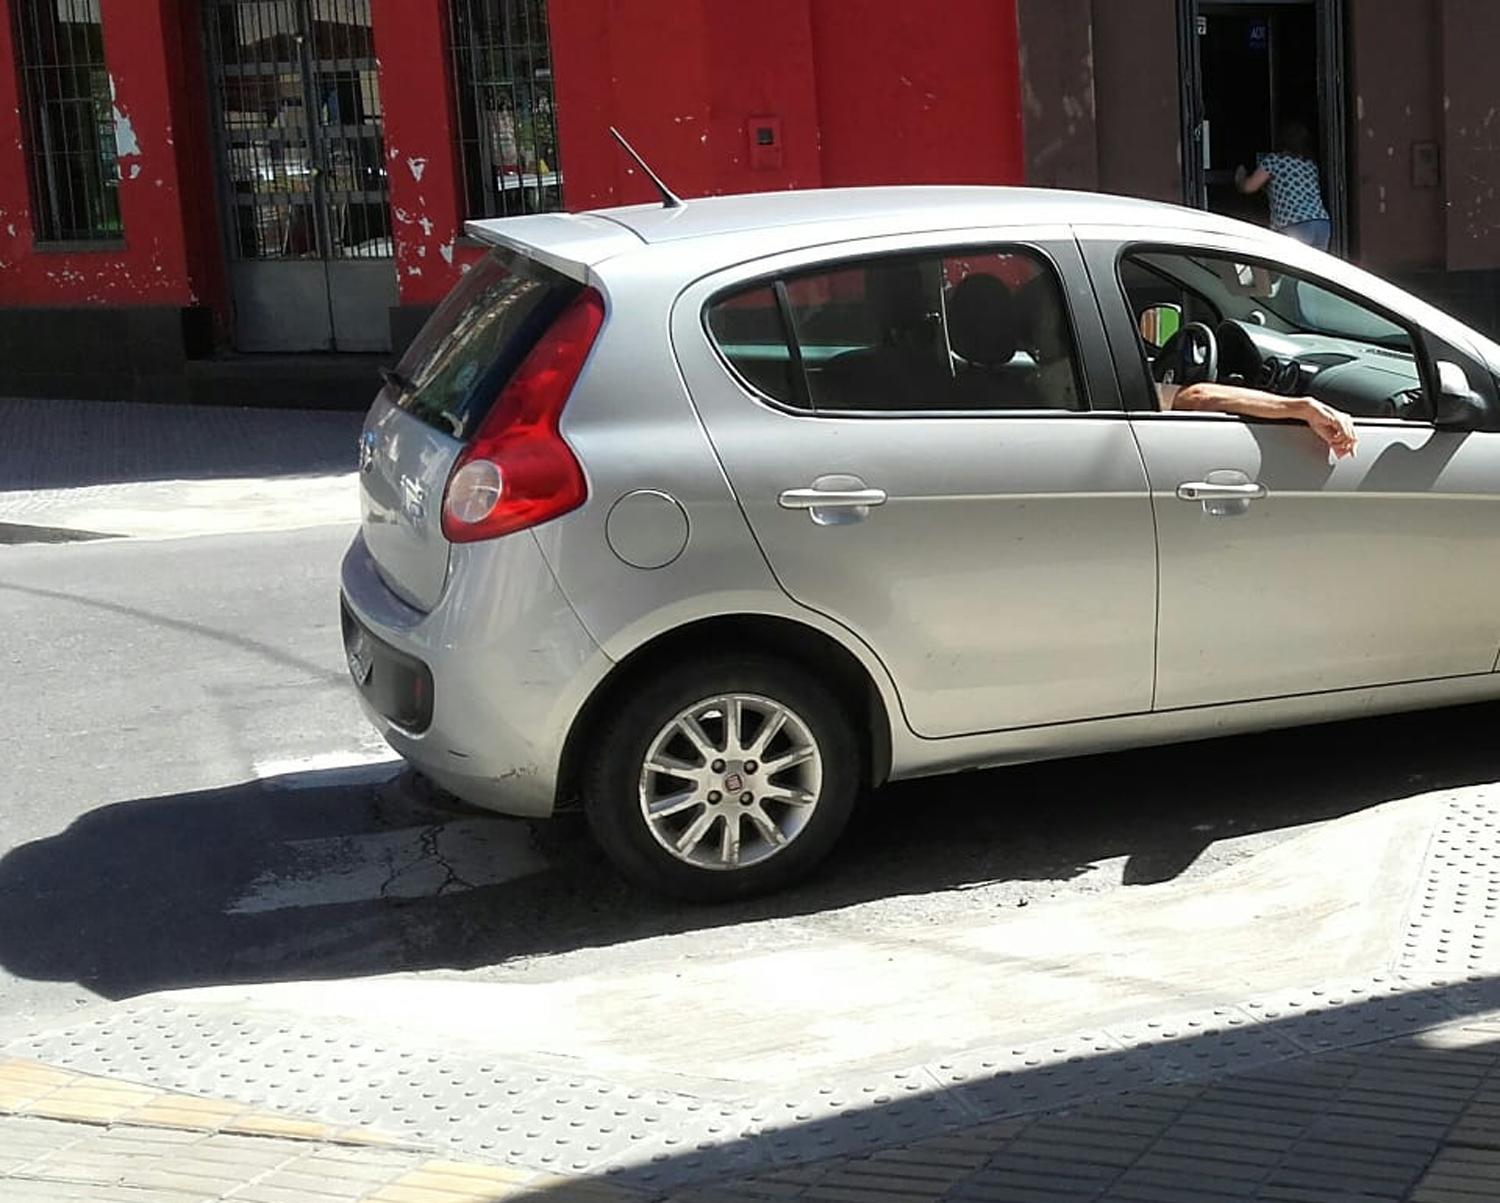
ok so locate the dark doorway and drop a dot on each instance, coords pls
(1250, 67)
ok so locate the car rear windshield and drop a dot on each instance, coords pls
(478, 336)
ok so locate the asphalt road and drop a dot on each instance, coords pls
(187, 798)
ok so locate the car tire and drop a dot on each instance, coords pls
(681, 717)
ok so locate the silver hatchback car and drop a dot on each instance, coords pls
(713, 517)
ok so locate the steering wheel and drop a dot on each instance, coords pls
(1190, 356)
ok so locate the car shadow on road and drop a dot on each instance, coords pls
(324, 876)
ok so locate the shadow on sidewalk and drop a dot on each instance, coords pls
(1341, 1100)
(152, 894)
(70, 444)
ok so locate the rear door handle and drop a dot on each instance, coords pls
(1202, 490)
(831, 499)
(838, 499)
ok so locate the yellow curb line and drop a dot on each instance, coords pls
(31, 1088)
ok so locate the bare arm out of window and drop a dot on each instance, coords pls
(1329, 424)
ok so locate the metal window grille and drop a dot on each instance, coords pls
(300, 119)
(69, 120)
(507, 121)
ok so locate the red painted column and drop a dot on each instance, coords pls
(153, 265)
(15, 201)
(421, 146)
(191, 136)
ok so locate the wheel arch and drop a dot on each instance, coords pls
(762, 633)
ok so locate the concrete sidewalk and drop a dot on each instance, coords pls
(178, 509)
(87, 469)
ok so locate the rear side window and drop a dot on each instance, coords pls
(478, 336)
(748, 327)
(981, 329)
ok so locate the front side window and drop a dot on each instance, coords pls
(982, 330)
(507, 122)
(69, 120)
(1275, 330)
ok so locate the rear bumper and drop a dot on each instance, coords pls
(509, 665)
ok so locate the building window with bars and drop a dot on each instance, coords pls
(302, 128)
(502, 68)
(69, 120)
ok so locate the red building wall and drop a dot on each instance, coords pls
(864, 91)
(918, 93)
(167, 257)
(762, 63)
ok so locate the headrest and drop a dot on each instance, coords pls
(1041, 318)
(893, 289)
(982, 320)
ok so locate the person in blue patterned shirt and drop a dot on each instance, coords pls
(1297, 208)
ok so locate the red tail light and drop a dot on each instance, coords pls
(517, 471)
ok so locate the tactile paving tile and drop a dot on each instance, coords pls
(1477, 999)
(577, 1124)
(1352, 1013)
(830, 1122)
(465, 1103)
(1458, 900)
(1198, 1044)
(852, 1117)
(684, 1163)
(1039, 1076)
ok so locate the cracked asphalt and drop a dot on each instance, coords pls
(191, 797)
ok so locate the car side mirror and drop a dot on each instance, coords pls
(1159, 323)
(1458, 406)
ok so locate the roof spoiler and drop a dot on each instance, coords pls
(570, 243)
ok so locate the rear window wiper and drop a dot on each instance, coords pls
(405, 390)
(396, 380)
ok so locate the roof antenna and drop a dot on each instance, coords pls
(669, 199)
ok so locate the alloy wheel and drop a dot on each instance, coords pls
(730, 781)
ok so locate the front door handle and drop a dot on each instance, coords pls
(820, 499)
(1204, 490)
(1226, 493)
